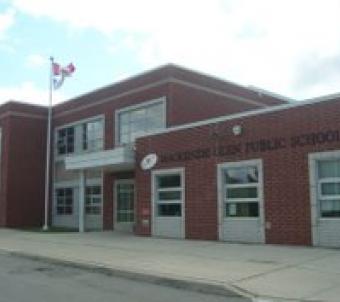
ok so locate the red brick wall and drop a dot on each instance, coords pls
(4, 168)
(25, 171)
(184, 105)
(286, 176)
(188, 104)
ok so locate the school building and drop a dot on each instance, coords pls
(179, 154)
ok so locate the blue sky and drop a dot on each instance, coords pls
(288, 47)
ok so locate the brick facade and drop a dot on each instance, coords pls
(278, 138)
(282, 138)
(22, 164)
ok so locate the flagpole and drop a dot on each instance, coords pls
(48, 148)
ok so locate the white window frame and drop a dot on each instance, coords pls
(78, 136)
(221, 194)
(315, 183)
(93, 137)
(154, 198)
(92, 196)
(56, 200)
(161, 100)
(65, 143)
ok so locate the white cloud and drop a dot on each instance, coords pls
(6, 21)
(28, 92)
(36, 60)
(258, 42)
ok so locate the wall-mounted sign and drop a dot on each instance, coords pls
(256, 146)
(149, 161)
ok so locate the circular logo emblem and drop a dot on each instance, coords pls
(149, 161)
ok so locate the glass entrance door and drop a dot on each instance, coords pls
(125, 204)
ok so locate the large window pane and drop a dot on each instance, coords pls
(93, 133)
(241, 175)
(65, 140)
(64, 201)
(329, 168)
(140, 121)
(239, 193)
(330, 188)
(169, 195)
(248, 209)
(93, 200)
(169, 181)
(330, 208)
(173, 209)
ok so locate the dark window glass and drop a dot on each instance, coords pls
(169, 181)
(237, 193)
(330, 208)
(244, 209)
(172, 209)
(65, 140)
(64, 198)
(169, 195)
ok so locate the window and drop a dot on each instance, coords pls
(93, 200)
(241, 191)
(168, 194)
(92, 135)
(141, 120)
(329, 188)
(64, 198)
(65, 140)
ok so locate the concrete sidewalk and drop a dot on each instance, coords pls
(267, 272)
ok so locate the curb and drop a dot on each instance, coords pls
(196, 286)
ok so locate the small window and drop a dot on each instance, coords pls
(65, 141)
(64, 198)
(93, 200)
(169, 194)
(246, 209)
(241, 191)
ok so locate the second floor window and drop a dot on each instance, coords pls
(93, 135)
(65, 140)
(141, 120)
(82, 137)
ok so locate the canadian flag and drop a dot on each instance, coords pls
(59, 73)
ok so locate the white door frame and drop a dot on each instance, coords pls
(115, 212)
(220, 193)
(313, 159)
(158, 172)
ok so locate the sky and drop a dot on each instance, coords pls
(290, 47)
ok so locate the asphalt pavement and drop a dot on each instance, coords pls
(27, 280)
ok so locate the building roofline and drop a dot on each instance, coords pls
(170, 67)
(249, 113)
(127, 79)
(249, 87)
(270, 93)
(15, 102)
